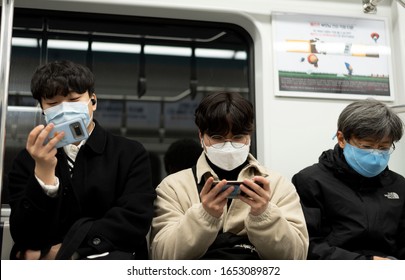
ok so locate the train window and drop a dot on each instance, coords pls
(150, 72)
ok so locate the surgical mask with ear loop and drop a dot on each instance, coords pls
(367, 162)
(67, 111)
(228, 157)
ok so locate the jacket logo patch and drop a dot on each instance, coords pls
(391, 195)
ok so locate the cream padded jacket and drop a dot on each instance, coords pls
(182, 229)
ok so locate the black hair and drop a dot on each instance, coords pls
(182, 154)
(224, 112)
(61, 78)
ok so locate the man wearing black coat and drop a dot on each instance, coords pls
(90, 199)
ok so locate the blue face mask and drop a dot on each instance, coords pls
(366, 162)
(67, 111)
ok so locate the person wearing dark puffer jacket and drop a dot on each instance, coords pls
(354, 205)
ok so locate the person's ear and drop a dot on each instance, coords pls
(93, 101)
(341, 139)
(200, 135)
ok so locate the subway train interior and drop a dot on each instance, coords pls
(154, 61)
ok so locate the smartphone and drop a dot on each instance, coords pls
(75, 131)
(236, 191)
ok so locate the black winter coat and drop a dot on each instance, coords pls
(350, 216)
(110, 194)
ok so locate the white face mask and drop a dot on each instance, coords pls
(227, 157)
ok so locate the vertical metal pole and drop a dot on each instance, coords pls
(7, 11)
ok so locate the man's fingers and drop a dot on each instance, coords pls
(33, 135)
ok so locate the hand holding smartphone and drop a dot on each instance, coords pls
(75, 131)
(236, 191)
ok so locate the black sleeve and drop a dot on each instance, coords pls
(33, 213)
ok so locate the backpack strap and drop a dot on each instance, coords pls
(201, 184)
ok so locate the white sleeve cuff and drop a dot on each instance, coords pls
(50, 190)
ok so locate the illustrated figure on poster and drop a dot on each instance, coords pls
(375, 36)
(349, 68)
(313, 59)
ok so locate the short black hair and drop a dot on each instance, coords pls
(223, 112)
(61, 78)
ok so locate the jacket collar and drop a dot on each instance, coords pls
(204, 170)
(335, 161)
(97, 140)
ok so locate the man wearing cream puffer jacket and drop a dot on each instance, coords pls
(258, 218)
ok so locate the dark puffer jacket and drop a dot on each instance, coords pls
(350, 216)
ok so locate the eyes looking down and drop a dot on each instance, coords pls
(71, 97)
(385, 145)
(237, 141)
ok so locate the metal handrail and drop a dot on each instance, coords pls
(134, 97)
(7, 13)
(398, 108)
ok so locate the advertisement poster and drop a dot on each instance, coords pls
(331, 57)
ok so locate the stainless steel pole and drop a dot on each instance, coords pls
(7, 12)
(399, 108)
